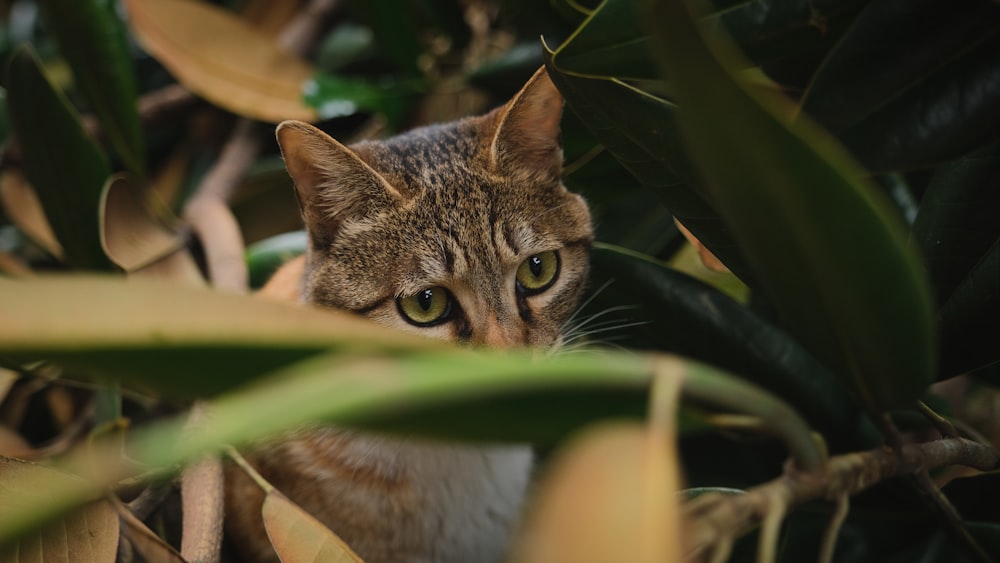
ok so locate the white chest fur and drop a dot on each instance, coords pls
(405, 501)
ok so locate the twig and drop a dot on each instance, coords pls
(827, 548)
(202, 502)
(719, 516)
(207, 211)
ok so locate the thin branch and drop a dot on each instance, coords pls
(952, 518)
(207, 211)
(202, 501)
(719, 516)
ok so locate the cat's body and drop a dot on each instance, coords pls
(460, 231)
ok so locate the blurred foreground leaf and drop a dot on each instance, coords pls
(91, 534)
(853, 294)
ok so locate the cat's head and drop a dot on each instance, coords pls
(460, 231)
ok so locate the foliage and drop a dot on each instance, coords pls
(840, 158)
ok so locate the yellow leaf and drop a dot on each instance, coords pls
(223, 59)
(297, 537)
(89, 534)
(611, 496)
(21, 204)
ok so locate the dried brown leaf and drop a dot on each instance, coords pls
(131, 235)
(22, 206)
(611, 496)
(297, 537)
(89, 534)
(709, 260)
(13, 444)
(223, 58)
(269, 16)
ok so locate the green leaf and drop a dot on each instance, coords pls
(92, 39)
(340, 96)
(942, 118)
(641, 132)
(826, 250)
(956, 222)
(64, 165)
(673, 312)
(181, 340)
(969, 327)
(266, 256)
(892, 46)
(396, 31)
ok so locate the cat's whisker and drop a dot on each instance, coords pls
(589, 321)
(586, 302)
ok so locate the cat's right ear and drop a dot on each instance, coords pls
(332, 183)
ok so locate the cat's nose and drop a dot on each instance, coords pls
(498, 334)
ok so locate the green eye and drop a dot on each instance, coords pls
(538, 272)
(428, 307)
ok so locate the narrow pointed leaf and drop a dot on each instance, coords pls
(825, 248)
(92, 39)
(61, 162)
(297, 537)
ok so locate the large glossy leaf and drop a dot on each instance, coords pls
(941, 118)
(223, 58)
(957, 219)
(663, 309)
(969, 318)
(641, 132)
(91, 38)
(613, 41)
(824, 247)
(64, 165)
(892, 46)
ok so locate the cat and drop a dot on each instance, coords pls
(461, 231)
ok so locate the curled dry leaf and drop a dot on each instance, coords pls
(297, 537)
(223, 58)
(131, 235)
(612, 496)
(22, 206)
(89, 534)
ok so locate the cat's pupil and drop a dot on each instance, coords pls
(425, 298)
(535, 265)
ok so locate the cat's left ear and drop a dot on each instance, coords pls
(527, 132)
(332, 182)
